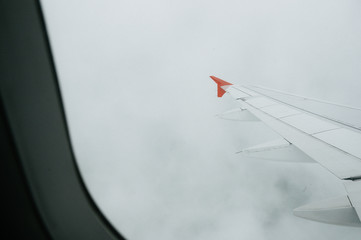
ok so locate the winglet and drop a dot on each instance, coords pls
(220, 83)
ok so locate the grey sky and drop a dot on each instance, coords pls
(140, 104)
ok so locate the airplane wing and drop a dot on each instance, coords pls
(310, 136)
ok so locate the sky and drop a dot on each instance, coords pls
(141, 109)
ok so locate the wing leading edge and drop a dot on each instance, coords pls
(330, 142)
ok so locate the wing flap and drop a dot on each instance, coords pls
(345, 139)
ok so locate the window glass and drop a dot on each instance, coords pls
(141, 109)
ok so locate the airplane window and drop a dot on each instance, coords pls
(134, 77)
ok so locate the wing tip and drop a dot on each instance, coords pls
(220, 83)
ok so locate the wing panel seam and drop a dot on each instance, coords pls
(310, 135)
(304, 110)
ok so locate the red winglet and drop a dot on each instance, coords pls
(220, 83)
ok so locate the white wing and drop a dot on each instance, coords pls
(321, 136)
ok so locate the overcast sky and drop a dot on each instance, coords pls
(141, 108)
